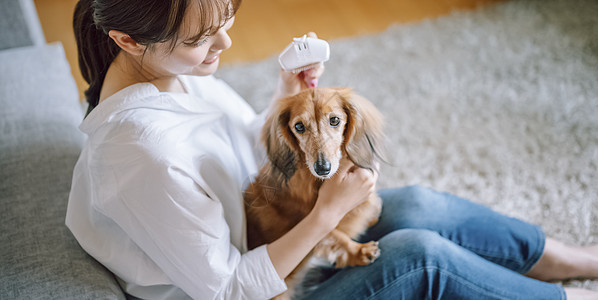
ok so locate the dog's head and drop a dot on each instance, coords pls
(320, 126)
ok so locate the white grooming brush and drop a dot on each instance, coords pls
(302, 53)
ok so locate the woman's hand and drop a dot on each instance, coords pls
(290, 84)
(348, 188)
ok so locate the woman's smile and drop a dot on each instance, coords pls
(211, 60)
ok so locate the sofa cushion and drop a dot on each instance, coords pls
(19, 24)
(39, 145)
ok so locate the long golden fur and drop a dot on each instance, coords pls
(307, 137)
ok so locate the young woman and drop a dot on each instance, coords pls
(157, 191)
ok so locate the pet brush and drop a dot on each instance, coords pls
(302, 53)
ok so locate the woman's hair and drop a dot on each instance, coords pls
(146, 21)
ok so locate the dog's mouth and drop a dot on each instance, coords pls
(322, 176)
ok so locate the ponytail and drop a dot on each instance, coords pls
(96, 50)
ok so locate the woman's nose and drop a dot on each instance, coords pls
(223, 41)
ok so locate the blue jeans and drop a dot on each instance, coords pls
(438, 246)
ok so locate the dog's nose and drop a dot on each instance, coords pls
(322, 166)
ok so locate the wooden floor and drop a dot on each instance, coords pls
(264, 27)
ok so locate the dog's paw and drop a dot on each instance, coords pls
(363, 254)
(368, 253)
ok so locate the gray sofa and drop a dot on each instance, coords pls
(39, 145)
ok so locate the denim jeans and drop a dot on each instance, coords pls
(439, 246)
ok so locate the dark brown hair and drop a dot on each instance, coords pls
(145, 21)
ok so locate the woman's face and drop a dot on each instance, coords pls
(201, 58)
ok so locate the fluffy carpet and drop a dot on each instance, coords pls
(498, 105)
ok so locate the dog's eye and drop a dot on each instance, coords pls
(334, 121)
(299, 127)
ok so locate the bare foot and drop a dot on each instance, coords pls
(580, 294)
(560, 261)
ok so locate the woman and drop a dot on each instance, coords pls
(157, 190)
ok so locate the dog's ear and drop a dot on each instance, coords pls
(364, 138)
(276, 136)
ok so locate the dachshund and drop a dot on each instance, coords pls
(307, 137)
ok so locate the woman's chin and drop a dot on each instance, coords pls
(204, 70)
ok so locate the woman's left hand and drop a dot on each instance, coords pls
(290, 83)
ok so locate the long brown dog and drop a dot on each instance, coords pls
(307, 137)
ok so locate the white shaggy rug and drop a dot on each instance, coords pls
(498, 105)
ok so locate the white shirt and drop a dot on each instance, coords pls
(157, 192)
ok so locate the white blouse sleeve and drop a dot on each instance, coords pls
(168, 214)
